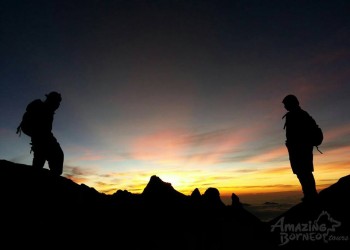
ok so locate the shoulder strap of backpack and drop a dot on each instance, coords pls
(318, 150)
(19, 130)
(284, 127)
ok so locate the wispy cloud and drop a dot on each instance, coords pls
(336, 134)
(275, 154)
(91, 154)
(182, 147)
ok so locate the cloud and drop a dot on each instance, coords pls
(77, 174)
(91, 154)
(181, 147)
(276, 154)
(277, 170)
(337, 132)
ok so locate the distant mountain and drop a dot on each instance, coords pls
(42, 210)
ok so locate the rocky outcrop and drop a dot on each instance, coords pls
(38, 208)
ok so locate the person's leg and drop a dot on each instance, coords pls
(308, 185)
(56, 159)
(39, 157)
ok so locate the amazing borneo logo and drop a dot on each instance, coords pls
(321, 229)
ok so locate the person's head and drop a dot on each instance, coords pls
(53, 100)
(290, 102)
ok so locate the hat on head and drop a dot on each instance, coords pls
(54, 96)
(291, 100)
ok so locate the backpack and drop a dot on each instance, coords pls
(316, 134)
(30, 118)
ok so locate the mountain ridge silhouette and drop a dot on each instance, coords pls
(39, 207)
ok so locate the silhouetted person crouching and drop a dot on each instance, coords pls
(300, 149)
(37, 123)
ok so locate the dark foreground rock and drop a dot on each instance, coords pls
(42, 210)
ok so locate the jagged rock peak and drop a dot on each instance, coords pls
(196, 194)
(156, 185)
(156, 180)
(235, 201)
(212, 198)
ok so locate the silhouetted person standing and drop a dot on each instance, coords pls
(299, 145)
(37, 123)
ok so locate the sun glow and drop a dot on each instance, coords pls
(175, 179)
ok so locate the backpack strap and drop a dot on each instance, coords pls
(285, 123)
(318, 150)
(19, 130)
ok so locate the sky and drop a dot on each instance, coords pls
(190, 91)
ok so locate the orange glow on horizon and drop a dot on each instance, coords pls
(262, 181)
(164, 154)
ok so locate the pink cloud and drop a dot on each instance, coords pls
(181, 147)
(82, 153)
(159, 145)
(269, 156)
(337, 132)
